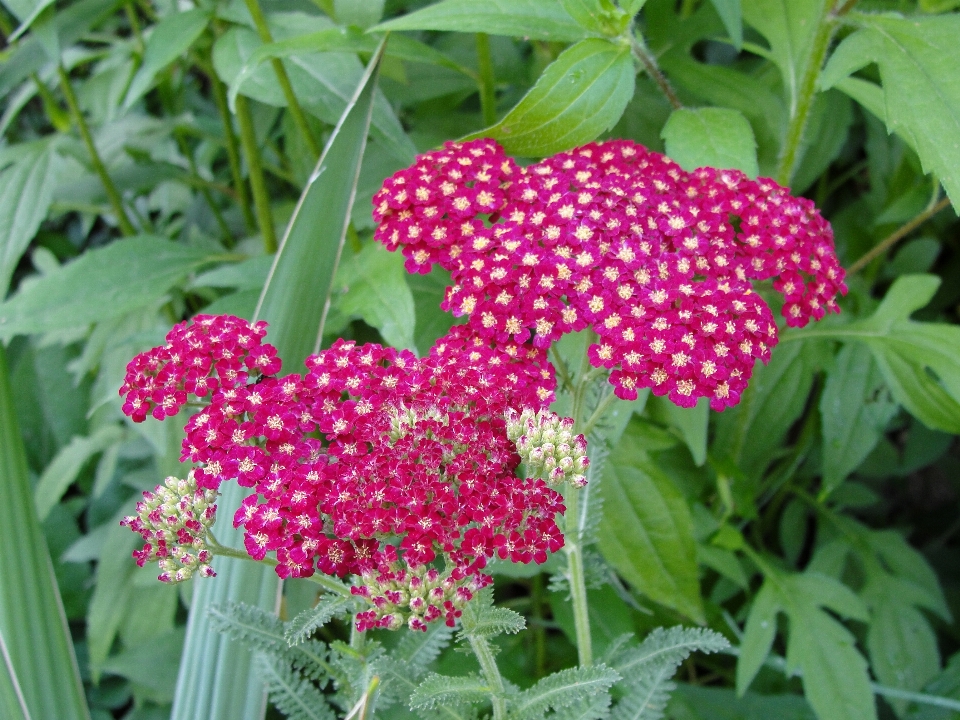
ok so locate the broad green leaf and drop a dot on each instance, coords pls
(647, 531)
(696, 702)
(598, 16)
(36, 638)
(856, 407)
(902, 645)
(26, 188)
(825, 135)
(718, 137)
(101, 284)
(918, 57)
(61, 473)
(905, 561)
(579, 96)
(297, 296)
(12, 702)
(372, 285)
(151, 665)
(171, 37)
(919, 361)
(758, 636)
(632, 7)
(26, 11)
(789, 27)
(362, 13)
(690, 423)
(534, 19)
(610, 617)
(732, 16)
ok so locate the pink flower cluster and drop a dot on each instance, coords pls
(658, 261)
(370, 447)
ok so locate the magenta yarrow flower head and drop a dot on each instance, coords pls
(373, 463)
(547, 446)
(174, 520)
(657, 260)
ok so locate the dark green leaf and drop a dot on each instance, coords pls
(732, 16)
(101, 284)
(647, 532)
(690, 423)
(918, 58)
(717, 137)
(171, 37)
(536, 19)
(152, 665)
(26, 188)
(695, 702)
(579, 96)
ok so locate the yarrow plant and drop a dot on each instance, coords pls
(611, 236)
(409, 474)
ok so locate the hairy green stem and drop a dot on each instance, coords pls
(491, 673)
(113, 195)
(488, 96)
(800, 110)
(293, 105)
(219, 93)
(573, 546)
(258, 184)
(598, 414)
(649, 62)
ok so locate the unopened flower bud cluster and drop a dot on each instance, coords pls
(414, 596)
(173, 521)
(548, 447)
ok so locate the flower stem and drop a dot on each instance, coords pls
(293, 105)
(649, 62)
(261, 199)
(573, 546)
(804, 101)
(488, 665)
(896, 236)
(488, 97)
(113, 195)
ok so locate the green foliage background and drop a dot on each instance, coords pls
(156, 154)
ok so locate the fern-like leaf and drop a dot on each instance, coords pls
(441, 690)
(648, 695)
(304, 624)
(419, 649)
(354, 669)
(294, 695)
(481, 619)
(561, 690)
(671, 645)
(263, 632)
(595, 708)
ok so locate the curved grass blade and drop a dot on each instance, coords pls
(32, 621)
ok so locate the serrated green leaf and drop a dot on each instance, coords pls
(647, 698)
(718, 137)
(580, 95)
(37, 642)
(647, 531)
(296, 298)
(535, 19)
(562, 689)
(304, 624)
(672, 645)
(26, 189)
(917, 57)
(439, 690)
(101, 284)
(481, 619)
(856, 407)
(66, 465)
(170, 38)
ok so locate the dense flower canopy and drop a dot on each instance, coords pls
(658, 261)
(371, 447)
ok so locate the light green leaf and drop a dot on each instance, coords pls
(26, 11)
(562, 689)
(718, 137)
(294, 695)
(632, 7)
(918, 57)
(758, 636)
(732, 16)
(101, 284)
(647, 531)
(438, 690)
(690, 423)
(362, 13)
(856, 408)
(482, 620)
(33, 627)
(789, 27)
(26, 188)
(598, 16)
(171, 37)
(296, 298)
(535, 19)
(152, 665)
(580, 95)
(66, 465)
(372, 285)
(304, 624)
